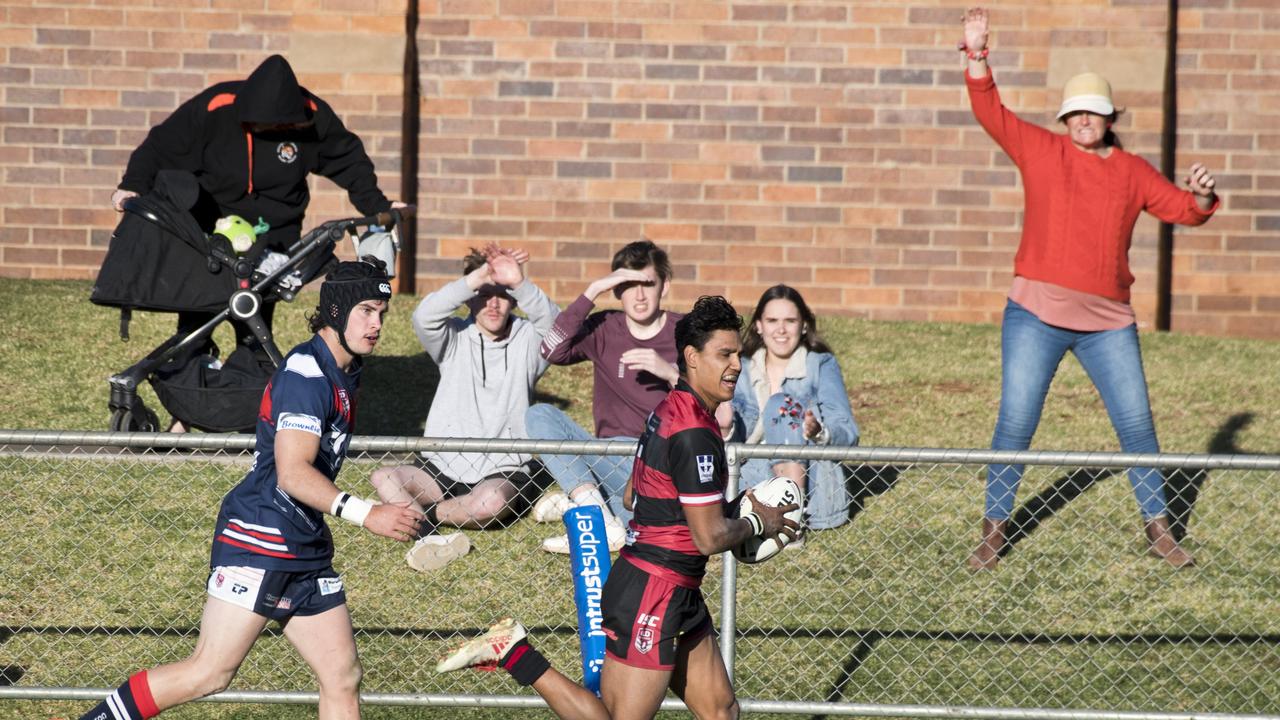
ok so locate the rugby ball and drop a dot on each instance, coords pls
(774, 492)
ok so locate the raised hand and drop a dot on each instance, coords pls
(976, 29)
(1200, 181)
(506, 265)
(618, 277)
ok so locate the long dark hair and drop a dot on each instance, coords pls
(751, 340)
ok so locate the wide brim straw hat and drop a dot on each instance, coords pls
(1086, 91)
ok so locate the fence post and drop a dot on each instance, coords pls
(729, 584)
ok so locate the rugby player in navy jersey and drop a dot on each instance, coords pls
(272, 556)
(657, 627)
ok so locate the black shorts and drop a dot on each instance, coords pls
(526, 483)
(277, 594)
(649, 612)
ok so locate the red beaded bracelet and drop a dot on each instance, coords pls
(979, 55)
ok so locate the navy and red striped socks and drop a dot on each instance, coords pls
(130, 701)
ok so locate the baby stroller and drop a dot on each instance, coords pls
(160, 259)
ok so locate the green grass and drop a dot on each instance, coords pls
(105, 559)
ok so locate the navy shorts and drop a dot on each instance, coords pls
(277, 594)
(649, 611)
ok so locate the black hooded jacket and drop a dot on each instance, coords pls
(261, 174)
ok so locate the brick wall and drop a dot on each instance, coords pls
(823, 144)
(829, 145)
(82, 85)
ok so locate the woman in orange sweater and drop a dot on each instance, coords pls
(1083, 194)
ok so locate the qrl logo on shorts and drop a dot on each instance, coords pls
(644, 636)
(644, 641)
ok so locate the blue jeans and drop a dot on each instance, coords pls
(1030, 354)
(608, 472)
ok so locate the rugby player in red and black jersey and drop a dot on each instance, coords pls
(272, 556)
(658, 629)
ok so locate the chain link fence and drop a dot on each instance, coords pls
(107, 536)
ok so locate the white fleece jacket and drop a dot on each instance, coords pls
(485, 385)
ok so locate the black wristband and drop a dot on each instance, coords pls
(340, 503)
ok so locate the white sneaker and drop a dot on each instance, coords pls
(551, 507)
(613, 528)
(485, 649)
(435, 551)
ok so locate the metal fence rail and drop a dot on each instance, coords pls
(107, 535)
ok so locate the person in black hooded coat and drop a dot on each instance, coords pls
(251, 145)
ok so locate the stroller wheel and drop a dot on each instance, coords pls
(131, 421)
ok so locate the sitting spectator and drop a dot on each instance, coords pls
(791, 392)
(489, 363)
(634, 356)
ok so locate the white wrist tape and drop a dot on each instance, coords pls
(350, 508)
(757, 525)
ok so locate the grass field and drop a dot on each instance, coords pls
(879, 610)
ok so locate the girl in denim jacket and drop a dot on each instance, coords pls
(791, 392)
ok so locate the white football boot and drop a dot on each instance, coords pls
(486, 649)
(551, 507)
(613, 528)
(435, 551)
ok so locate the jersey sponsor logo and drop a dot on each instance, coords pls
(235, 584)
(329, 586)
(298, 421)
(287, 152)
(706, 468)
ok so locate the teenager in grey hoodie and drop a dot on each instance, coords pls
(489, 363)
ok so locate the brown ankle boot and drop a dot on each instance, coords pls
(987, 555)
(1165, 546)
